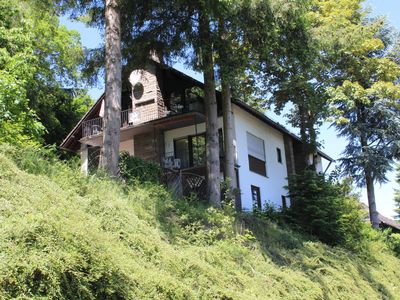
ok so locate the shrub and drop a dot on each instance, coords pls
(268, 212)
(394, 243)
(326, 209)
(136, 169)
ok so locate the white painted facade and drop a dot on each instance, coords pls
(271, 186)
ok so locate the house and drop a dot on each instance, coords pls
(163, 120)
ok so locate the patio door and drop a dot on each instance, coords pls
(191, 150)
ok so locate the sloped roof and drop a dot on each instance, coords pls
(241, 104)
(389, 222)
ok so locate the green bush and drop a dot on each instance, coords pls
(137, 170)
(394, 243)
(326, 209)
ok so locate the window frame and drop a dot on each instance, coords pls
(261, 168)
(190, 139)
(279, 155)
(256, 202)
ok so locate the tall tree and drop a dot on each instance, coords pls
(296, 74)
(397, 193)
(105, 15)
(112, 111)
(366, 103)
(213, 162)
(39, 59)
(225, 62)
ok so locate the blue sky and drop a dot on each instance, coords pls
(332, 145)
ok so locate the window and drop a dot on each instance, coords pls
(284, 204)
(182, 151)
(256, 196)
(191, 150)
(279, 155)
(256, 152)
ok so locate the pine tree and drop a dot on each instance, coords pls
(366, 105)
(397, 193)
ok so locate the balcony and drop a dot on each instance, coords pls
(95, 126)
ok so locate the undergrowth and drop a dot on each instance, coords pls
(65, 236)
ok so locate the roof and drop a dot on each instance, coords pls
(389, 222)
(69, 139)
(239, 103)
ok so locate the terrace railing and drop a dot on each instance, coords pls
(95, 126)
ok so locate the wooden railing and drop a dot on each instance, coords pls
(185, 183)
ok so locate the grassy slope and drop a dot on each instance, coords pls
(64, 236)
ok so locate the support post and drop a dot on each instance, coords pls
(84, 159)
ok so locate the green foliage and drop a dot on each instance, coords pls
(38, 57)
(65, 236)
(365, 92)
(327, 209)
(135, 169)
(394, 242)
(18, 123)
(397, 193)
(268, 212)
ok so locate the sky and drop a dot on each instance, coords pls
(331, 144)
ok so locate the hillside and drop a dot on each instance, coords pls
(63, 236)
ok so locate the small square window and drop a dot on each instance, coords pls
(279, 155)
(256, 196)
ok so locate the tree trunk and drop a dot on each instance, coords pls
(373, 213)
(303, 136)
(369, 182)
(229, 148)
(213, 163)
(112, 101)
(229, 135)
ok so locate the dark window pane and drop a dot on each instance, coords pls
(256, 196)
(257, 166)
(182, 151)
(279, 155)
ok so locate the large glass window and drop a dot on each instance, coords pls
(191, 150)
(256, 154)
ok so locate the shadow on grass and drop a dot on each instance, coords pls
(284, 247)
(297, 251)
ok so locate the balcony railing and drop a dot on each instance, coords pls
(95, 126)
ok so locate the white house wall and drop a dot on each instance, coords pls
(271, 186)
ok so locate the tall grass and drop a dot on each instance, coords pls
(64, 236)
